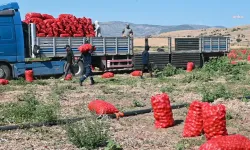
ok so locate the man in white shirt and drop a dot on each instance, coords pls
(97, 29)
(127, 31)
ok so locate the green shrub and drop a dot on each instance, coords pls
(218, 67)
(112, 145)
(29, 109)
(168, 71)
(137, 103)
(90, 133)
(19, 81)
(209, 94)
(196, 76)
(229, 115)
(6, 88)
(168, 89)
(245, 92)
(23, 82)
(222, 66)
(185, 144)
(60, 89)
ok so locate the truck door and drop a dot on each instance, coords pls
(8, 46)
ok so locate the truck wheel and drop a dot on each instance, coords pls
(5, 72)
(79, 69)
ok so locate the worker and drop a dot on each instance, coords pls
(87, 66)
(127, 31)
(145, 61)
(97, 29)
(70, 61)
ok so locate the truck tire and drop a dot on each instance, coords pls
(5, 72)
(78, 69)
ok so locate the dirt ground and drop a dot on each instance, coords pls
(132, 133)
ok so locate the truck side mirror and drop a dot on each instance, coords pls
(36, 50)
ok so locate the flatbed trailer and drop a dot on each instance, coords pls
(111, 52)
(197, 50)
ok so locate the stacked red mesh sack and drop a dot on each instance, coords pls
(66, 25)
(214, 126)
(205, 117)
(214, 120)
(162, 111)
(230, 142)
(194, 123)
(211, 119)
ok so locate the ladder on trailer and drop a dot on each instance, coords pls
(117, 64)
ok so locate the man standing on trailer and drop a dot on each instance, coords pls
(87, 59)
(127, 31)
(97, 29)
(145, 61)
(70, 61)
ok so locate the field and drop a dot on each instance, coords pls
(219, 81)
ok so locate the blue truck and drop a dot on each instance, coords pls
(21, 50)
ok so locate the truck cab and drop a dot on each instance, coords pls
(15, 49)
(12, 47)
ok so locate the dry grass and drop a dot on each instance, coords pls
(136, 132)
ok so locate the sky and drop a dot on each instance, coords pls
(226, 13)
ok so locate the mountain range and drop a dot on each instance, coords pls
(114, 28)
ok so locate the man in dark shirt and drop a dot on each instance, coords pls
(87, 59)
(70, 61)
(145, 61)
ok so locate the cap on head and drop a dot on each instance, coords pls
(96, 22)
(67, 46)
(127, 25)
(86, 41)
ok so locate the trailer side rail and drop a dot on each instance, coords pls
(54, 46)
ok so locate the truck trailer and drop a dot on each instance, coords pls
(188, 49)
(21, 49)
